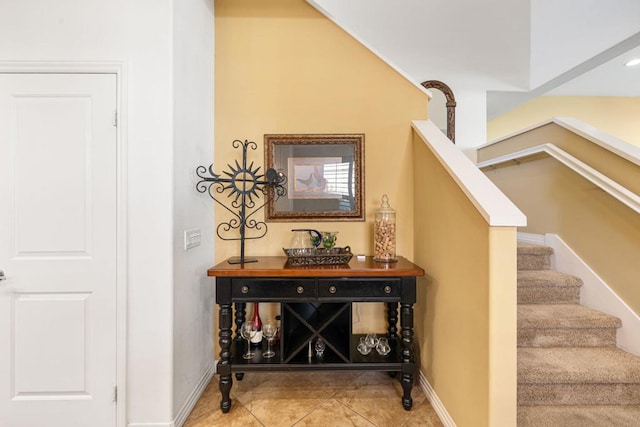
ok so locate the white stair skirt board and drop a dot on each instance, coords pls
(595, 293)
(193, 398)
(436, 403)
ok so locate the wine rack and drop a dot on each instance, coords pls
(304, 323)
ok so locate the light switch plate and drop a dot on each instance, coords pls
(192, 238)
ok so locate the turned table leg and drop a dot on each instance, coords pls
(408, 365)
(392, 320)
(224, 365)
(240, 318)
(392, 327)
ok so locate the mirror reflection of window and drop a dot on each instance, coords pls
(338, 178)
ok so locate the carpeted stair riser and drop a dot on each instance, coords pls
(564, 337)
(565, 365)
(533, 262)
(548, 295)
(547, 287)
(579, 416)
(579, 394)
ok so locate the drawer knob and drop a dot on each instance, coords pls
(332, 289)
(387, 289)
(244, 289)
(300, 289)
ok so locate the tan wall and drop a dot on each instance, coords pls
(466, 311)
(617, 116)
(601, 230)
(615, 167)
(282, 67)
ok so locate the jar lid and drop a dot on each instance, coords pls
(384, 206)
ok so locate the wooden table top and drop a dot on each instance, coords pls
(277, 266)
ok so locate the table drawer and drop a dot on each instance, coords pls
(361, 289)
(273, 289)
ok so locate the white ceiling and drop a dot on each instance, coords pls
(489, 45)
(449, 40)
(602, 75)
(609, 79)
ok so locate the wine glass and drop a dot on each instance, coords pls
(248, 331)
(269, 332)
(320, 348)
(363, 348)
(371, 340)
(383, 348)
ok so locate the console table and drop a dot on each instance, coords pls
(315, 302)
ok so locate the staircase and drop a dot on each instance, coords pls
(570, 372)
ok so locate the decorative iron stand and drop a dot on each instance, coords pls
(244, 184)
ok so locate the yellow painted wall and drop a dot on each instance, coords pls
(617, 116)
(282, 67)
(466, 310)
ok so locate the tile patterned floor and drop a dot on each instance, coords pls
(283, 399)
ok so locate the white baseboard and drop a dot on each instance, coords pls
(436, 403)
(191, 401)
(595, 293)
(534, 239)
(171, 424)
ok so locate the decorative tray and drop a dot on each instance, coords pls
(318, 256)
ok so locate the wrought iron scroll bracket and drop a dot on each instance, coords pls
(242, 185)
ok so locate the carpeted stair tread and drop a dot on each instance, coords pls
(553, 316)
(565, 365)
(534, 257)
(547, 287)
(565, 325)
(547, 278)
(579, 416)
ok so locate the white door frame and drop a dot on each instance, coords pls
(119, 69)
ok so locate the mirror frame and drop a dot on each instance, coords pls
(451, 105)
(319, 149)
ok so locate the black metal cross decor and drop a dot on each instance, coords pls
(243, 185)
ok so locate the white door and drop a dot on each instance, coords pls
(57, 250)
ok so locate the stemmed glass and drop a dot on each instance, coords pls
(248, 331)
(269, 332)
(371, 340)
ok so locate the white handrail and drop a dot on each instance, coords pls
(603, 139)
(492, 204)
(621, 193)
(598, 137)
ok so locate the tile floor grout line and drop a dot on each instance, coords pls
(331, 395)
(357, 413)
(309, 413)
